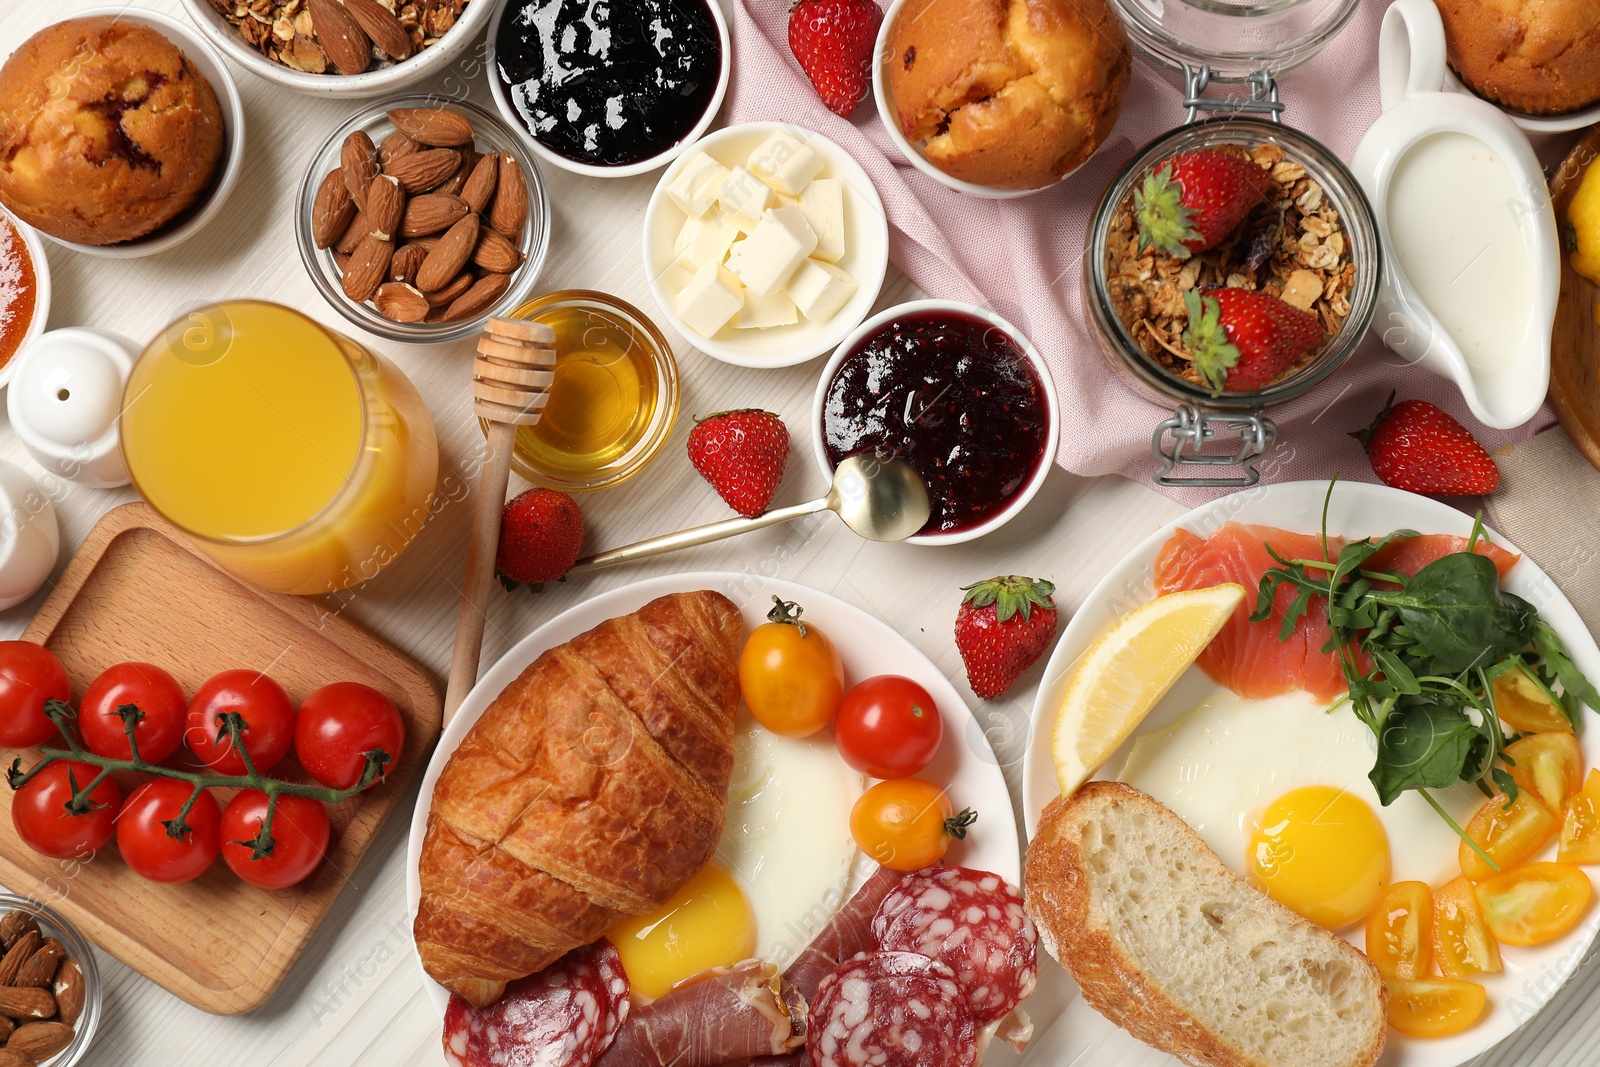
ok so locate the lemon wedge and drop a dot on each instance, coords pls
(1129, 670)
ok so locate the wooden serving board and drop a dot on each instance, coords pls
(138, 590)
(1575, 340)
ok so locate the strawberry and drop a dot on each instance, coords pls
(834, 42)
(1002, 628)
(1195, 199)
(742, 454)
(1415, 446)
(1243, 340)
(541, 532)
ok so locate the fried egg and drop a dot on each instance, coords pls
(782, 869)
(1278, 788)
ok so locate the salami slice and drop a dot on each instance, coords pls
(891, 1009)
(564, 1016)
(973, 923)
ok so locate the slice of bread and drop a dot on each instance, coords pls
(1185, 955)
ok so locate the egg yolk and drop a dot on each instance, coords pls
(706, 924)
(1321, 852)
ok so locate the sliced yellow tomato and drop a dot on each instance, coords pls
(1580, 824)
(1510, 835)
(1434, 1007)
(1525, 705)
(1534, 903)
(1400, 931)
(1550, 766)
(1462, 943)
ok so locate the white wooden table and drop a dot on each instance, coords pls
(356, 995)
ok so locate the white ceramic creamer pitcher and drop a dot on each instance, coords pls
(1471, 258)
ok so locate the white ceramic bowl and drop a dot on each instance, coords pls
(502, 100)
(866, 258)
(1046, 384)
(210, 64)
(430, 61)
(41, 290)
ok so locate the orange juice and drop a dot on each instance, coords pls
(293, 456)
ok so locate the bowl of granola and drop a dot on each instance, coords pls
(361, 47)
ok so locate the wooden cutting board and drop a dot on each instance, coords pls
(138, 590)
(1575, 340)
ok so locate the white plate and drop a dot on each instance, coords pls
(866, 256)
(868, 646)
(1532, 975)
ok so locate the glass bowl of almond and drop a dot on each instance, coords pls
(422, 217)
(49, 986)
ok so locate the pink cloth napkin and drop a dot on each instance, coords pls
(1022, 257)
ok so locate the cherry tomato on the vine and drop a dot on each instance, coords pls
(260, 702)
(888, 727)
(790, 674)
(44, 822)
(339, 724)
(300, 832)
(144, 839)
(30, 674)
(906, 824)
(154, 692)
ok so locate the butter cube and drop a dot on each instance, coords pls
(785, 163)
(744, 197)
(705, 240)
(820, 289)
(823, 206)
(696, 187)
(711, 298)
(765, 312)
(766, 259)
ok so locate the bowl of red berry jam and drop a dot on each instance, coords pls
(957, 392)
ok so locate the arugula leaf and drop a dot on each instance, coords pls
(1424, 746)
(1550, 646)
(1455, 609)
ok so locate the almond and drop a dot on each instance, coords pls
(342, 261)
(421, 171)
(443, 298)
(458, 180)
(475, 301)
(427, 244)
(433, 126)
(394, 146)
(10, 1057)
(341, 36)
(479, 189)
(332, 210)
(449, 255)
(40, 967)
(368, 265)
(495, 253)
(381, 25)
(19, 953)
(353, 234)
(433, 213)
(510, 209)
(406, 262)
(400, 302)
(70, 991)
(14, 924)
(26, 1003)
(358, 162)
(386, 205)
(40, 1041)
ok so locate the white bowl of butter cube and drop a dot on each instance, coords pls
(765, 244)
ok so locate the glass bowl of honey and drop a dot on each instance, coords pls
(613, 400)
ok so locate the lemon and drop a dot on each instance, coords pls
(1583, 218)
(1129, 670)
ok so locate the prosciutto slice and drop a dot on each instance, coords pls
(734, 1013)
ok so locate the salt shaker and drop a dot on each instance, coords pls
(64, 398)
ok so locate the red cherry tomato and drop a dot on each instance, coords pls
(30, 674)
(888, 727)
(339, 724)
(300, 832)
(267, 713)
(150, 849)
(39, 811)
(154, 691)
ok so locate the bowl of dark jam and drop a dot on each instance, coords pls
(609, 90)
(957, 392)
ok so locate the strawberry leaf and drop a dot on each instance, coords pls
(1214, 355)
(1165, 221)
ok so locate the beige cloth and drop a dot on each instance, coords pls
(1546, 505)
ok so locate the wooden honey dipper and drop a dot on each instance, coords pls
(511, 380)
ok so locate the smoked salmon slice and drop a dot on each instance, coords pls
(1248, 657)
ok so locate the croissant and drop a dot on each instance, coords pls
(593, 787)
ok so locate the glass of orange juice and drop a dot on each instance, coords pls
(290, 454)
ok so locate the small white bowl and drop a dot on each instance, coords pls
(215, 71)
(866, 258)
(41, 291)
(426, 63)
(502, 100)
(1046, 384)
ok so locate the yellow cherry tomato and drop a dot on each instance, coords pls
(790, 674)
(1462, 943)
(1400, 931)
(1534, 903)
(1580, 825)
(906, 823)
(1549, 766)
(1434, 1007)
(1511, 834)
